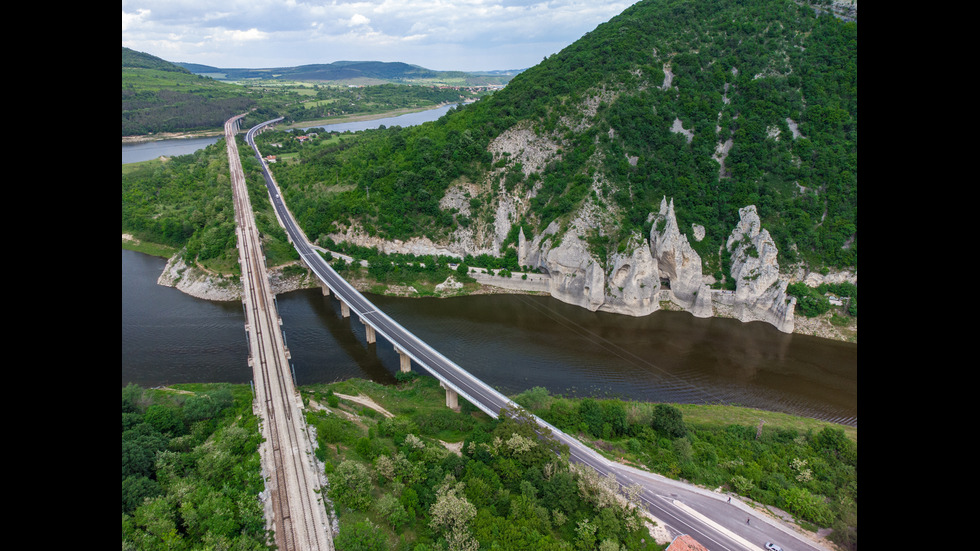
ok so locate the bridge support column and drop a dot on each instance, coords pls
(369, 334)
(344, 309)
(326, 290)
(406, 361)
(452, 398)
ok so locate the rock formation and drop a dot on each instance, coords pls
(576, 277)
(759, 292)
(633, 282)
(678, 262)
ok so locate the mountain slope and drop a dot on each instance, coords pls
(678, 146)
(158, 96)
(717, 105)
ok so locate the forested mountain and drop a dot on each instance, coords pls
(714, 105)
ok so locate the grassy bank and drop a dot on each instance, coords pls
(803, 466)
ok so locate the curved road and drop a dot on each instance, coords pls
(682, 509)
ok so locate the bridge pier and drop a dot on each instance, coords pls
(452, 398)
(406, 361)
(326, 290)
(369, 334)
(344, 309)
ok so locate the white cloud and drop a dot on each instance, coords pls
(357, 20)
(131, 20)
(439, 34)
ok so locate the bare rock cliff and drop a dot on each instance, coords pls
(633, 283)
(678, 262)
(760, 294)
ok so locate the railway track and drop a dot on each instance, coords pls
(299, 517)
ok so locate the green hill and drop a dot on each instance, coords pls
(158, 96)
(715, 105)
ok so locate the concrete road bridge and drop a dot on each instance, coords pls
(708, 516)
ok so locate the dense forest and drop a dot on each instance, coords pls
(418, 476)
(191, 473)
(774, 79)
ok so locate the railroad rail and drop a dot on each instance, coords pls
(298, 515)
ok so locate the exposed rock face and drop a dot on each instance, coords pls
(198, 283)
(678, 262)
(419, 246)
(633, 282)
(759, 292)
(576, 277)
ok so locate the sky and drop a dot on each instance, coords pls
(444, 35)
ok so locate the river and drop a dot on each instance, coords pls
(132, 153)
(512, 342)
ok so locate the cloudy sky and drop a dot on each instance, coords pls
(467, 35)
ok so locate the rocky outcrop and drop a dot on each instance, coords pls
(202, 284)
(197, 282)
(678, 262)
(633, 283)
(576, 277)
(760, 294)
(419, 246)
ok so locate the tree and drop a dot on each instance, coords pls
(668, 420)
(350, 485)
(392, 510)
(451, 514)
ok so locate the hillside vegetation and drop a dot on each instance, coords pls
(393, 479)
(159, 96)
(716, 105)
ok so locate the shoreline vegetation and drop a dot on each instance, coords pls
(397, 443)
(144, 138)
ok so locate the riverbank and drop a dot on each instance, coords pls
(206, 285)
(302, 124)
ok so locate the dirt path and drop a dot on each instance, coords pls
(365, 401)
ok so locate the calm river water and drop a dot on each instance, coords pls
(512, 342)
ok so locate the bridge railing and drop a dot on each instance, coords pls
(403, 347)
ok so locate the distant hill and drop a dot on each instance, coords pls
(140, 60)
(395, 72)
(159, 96)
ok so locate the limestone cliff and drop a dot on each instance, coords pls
(678, 262)
(760, 294)
(633, 284)
(576, 277)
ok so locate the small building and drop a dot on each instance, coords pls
(270, 158)
(685, 543)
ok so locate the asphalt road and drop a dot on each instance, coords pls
(705, 515)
